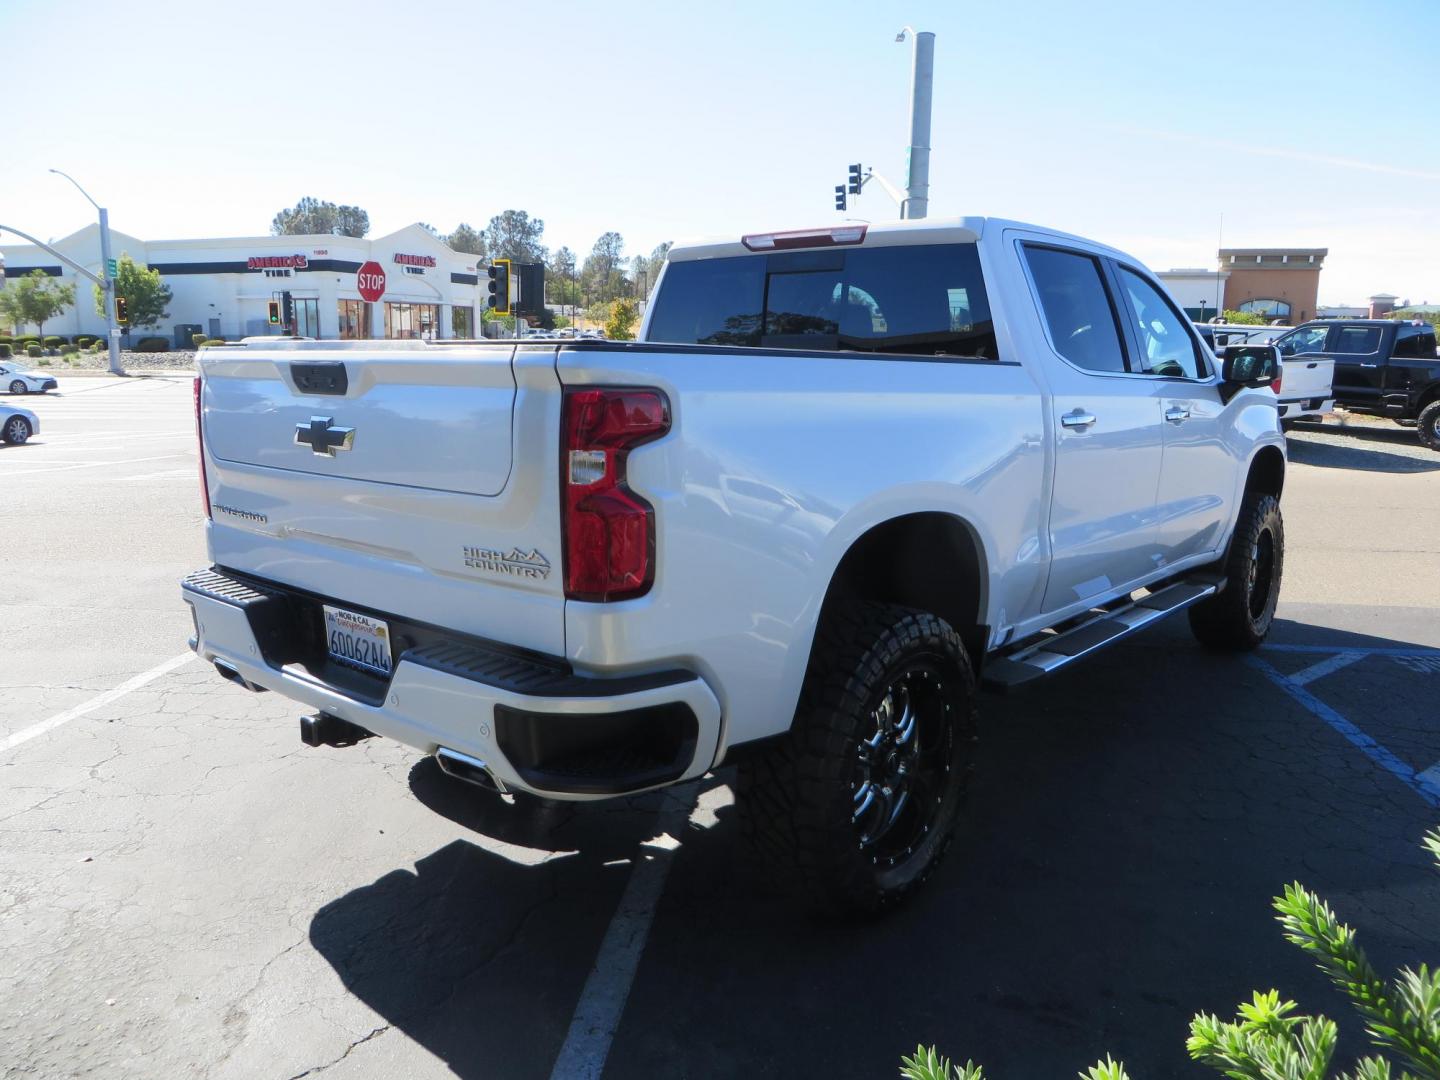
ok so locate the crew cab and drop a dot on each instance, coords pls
(845, 475)
(1304, 391)
(1384, 367)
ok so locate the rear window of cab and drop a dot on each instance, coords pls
(919, 300)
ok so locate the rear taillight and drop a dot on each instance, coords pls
(609, 530)
(1279, 378)
(200, 445)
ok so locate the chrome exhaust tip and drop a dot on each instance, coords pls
(471, 770)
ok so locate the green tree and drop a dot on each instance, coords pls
(620, 326)
(603, 273)
(315, 217)
(35, 298)
(647, 268)
(515, 235)
(468, 240)
(561, 284)
(146, 296)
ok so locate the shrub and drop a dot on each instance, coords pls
(211, 341)
(34, 352)
(44, 361)
(69, 350)
(152, 344)
(7, 339)
(6, 351)
(199, 339)
(53, 341)
(1268, 1041)
(1245, 318)
(84, 340)
(97, 346)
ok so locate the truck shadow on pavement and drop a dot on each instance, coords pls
(1362, 450)
(1127, 828)
(480, 952)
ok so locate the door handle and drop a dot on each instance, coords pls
(1313, 365)
(1177, 414)
(1078, 420)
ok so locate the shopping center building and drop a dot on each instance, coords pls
(222, 287)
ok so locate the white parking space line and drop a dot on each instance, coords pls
(71, 436)
(34, 731)
(602, 1001)
(1325, 667)
(1423, 784)
(88, 465)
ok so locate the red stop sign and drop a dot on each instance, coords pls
(370, 279)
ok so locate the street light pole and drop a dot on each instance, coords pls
(108, 283)
(922, 87)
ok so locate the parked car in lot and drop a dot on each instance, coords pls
(18, 381)
(1304, 390)
(17, 425)
(844, 476)
(1384, 367)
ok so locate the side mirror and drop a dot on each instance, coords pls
(1249, 365)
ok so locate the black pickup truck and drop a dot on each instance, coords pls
(1386, 367)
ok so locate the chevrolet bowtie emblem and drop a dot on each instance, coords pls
(322, 438)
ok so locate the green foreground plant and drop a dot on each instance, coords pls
(1268, 1040)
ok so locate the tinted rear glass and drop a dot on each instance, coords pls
(1356, 340)
(927, 300)
(1415, 342)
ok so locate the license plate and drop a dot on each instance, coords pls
(357, 640)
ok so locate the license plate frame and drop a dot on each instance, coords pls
(358, 641)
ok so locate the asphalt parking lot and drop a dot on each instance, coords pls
(187, 890)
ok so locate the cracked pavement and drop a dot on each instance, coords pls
(187, 890)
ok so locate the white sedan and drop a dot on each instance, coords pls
(17, 424)
(24, 382)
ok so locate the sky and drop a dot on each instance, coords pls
(1158, 128)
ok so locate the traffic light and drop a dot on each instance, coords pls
(839, 196)
(287, 312)
(499, 298)
(274, 308)
(855, 180)
(122, 311)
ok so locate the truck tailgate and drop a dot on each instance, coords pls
(408, 479)
(1306, 378)
(403, 418)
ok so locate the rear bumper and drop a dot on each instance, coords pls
(1306, 407)
(535, 723)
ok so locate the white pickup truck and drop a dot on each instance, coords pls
(1306, 390)
(845, 476)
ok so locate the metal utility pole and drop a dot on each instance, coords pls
(922, 86)
(106, 279)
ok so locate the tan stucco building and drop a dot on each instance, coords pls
(1279, 283)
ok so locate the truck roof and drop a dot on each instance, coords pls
(959, 230)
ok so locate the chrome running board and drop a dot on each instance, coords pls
(1053, 650)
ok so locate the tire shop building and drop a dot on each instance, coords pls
(222, 287)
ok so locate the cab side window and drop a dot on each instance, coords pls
(1308, 339)
(1166, 345)
(1076, 307)
(1356, 340)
